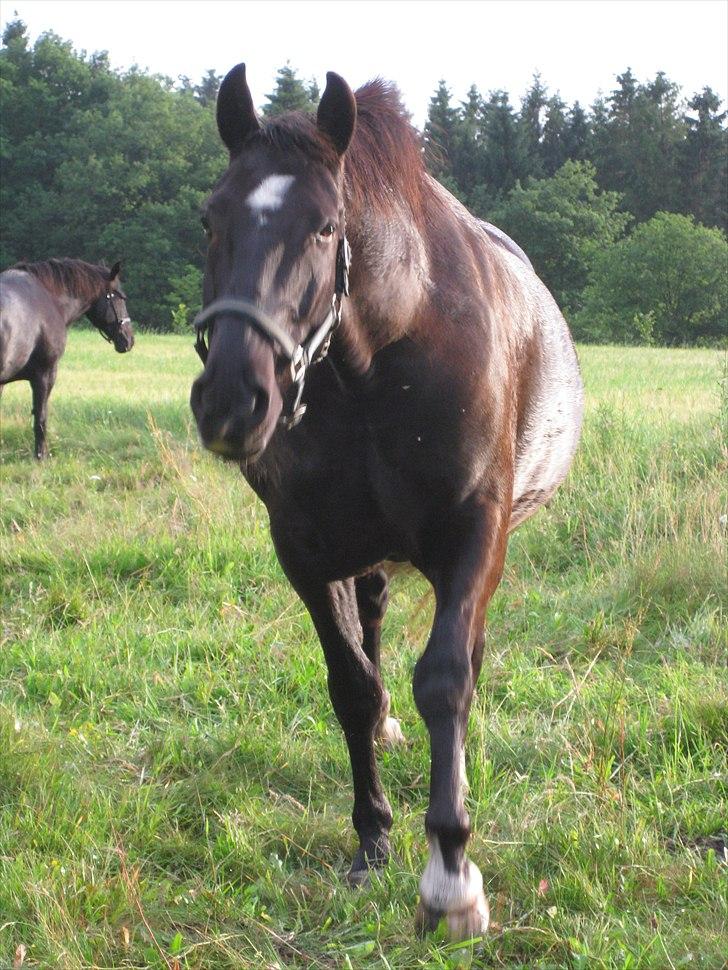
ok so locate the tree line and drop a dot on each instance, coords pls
(622, 206)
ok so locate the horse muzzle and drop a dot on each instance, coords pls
(124, 339)
(235, 426)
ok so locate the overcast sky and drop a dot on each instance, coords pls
(579, 46)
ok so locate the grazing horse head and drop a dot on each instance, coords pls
(275, 225)
(108, 313)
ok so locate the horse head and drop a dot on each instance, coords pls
(108, 313)
(275, 229)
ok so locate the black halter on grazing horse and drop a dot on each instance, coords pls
(38, 301)
(447, 411)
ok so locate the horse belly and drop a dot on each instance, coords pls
(550, 429)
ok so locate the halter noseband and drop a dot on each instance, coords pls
(300, 355)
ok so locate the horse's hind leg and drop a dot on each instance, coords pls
(41, 384)
(359, 700)
(470, 554)
(476, 663)
(372, 594)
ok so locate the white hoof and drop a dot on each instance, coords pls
(457, 897)
(462, 924)
(473, 920)
(390, 734)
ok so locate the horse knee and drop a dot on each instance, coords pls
(360, 706)
(442, 685)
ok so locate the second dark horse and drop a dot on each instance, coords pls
(448, 411)
(38, 302)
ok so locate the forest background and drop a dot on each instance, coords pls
(621, 205)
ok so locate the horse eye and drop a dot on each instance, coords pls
(327, 231)
(206, 227)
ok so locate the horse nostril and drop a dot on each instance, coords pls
(259, 405)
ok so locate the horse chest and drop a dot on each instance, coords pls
(345, 492)
(322, 506)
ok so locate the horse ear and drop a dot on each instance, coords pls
(337, 112)
(236, 117)
(115, 270)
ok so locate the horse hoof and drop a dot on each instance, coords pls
(427, 918)
(472, 920)
(462, 924)
(390, 734)
(376, 857)
(358, 878)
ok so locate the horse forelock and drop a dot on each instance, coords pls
(295, 133)
(384, 165)
(73, 277)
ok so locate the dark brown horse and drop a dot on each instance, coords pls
(447, 412)
(38, 302)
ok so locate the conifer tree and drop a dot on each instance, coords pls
(290, 93)
(506, 160)
(704, 160)
(577, 133)
(555, 142)
(469, 164)
(440, 132)
(206, 90)
(530, 125)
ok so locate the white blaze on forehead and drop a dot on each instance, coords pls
(269, 195)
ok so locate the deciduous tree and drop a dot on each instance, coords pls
(666, 282)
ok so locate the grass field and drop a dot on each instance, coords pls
(174, 787)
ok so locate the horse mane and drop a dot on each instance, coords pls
(73, 277)
(385, 159)
(384, 162)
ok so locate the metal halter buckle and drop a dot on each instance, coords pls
(298, 365)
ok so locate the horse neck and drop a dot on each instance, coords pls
(389, 276)
(72, 308)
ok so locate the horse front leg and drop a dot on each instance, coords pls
(41, 385)
(360, 703)
(372, 596)
(444, 680)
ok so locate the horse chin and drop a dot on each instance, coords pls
(245, 452)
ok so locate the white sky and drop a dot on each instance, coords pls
(579, 46)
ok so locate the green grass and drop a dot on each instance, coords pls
(174, 788)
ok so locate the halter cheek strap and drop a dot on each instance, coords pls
(123, 320)
(301, 356)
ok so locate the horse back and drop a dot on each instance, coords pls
(32, 329)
